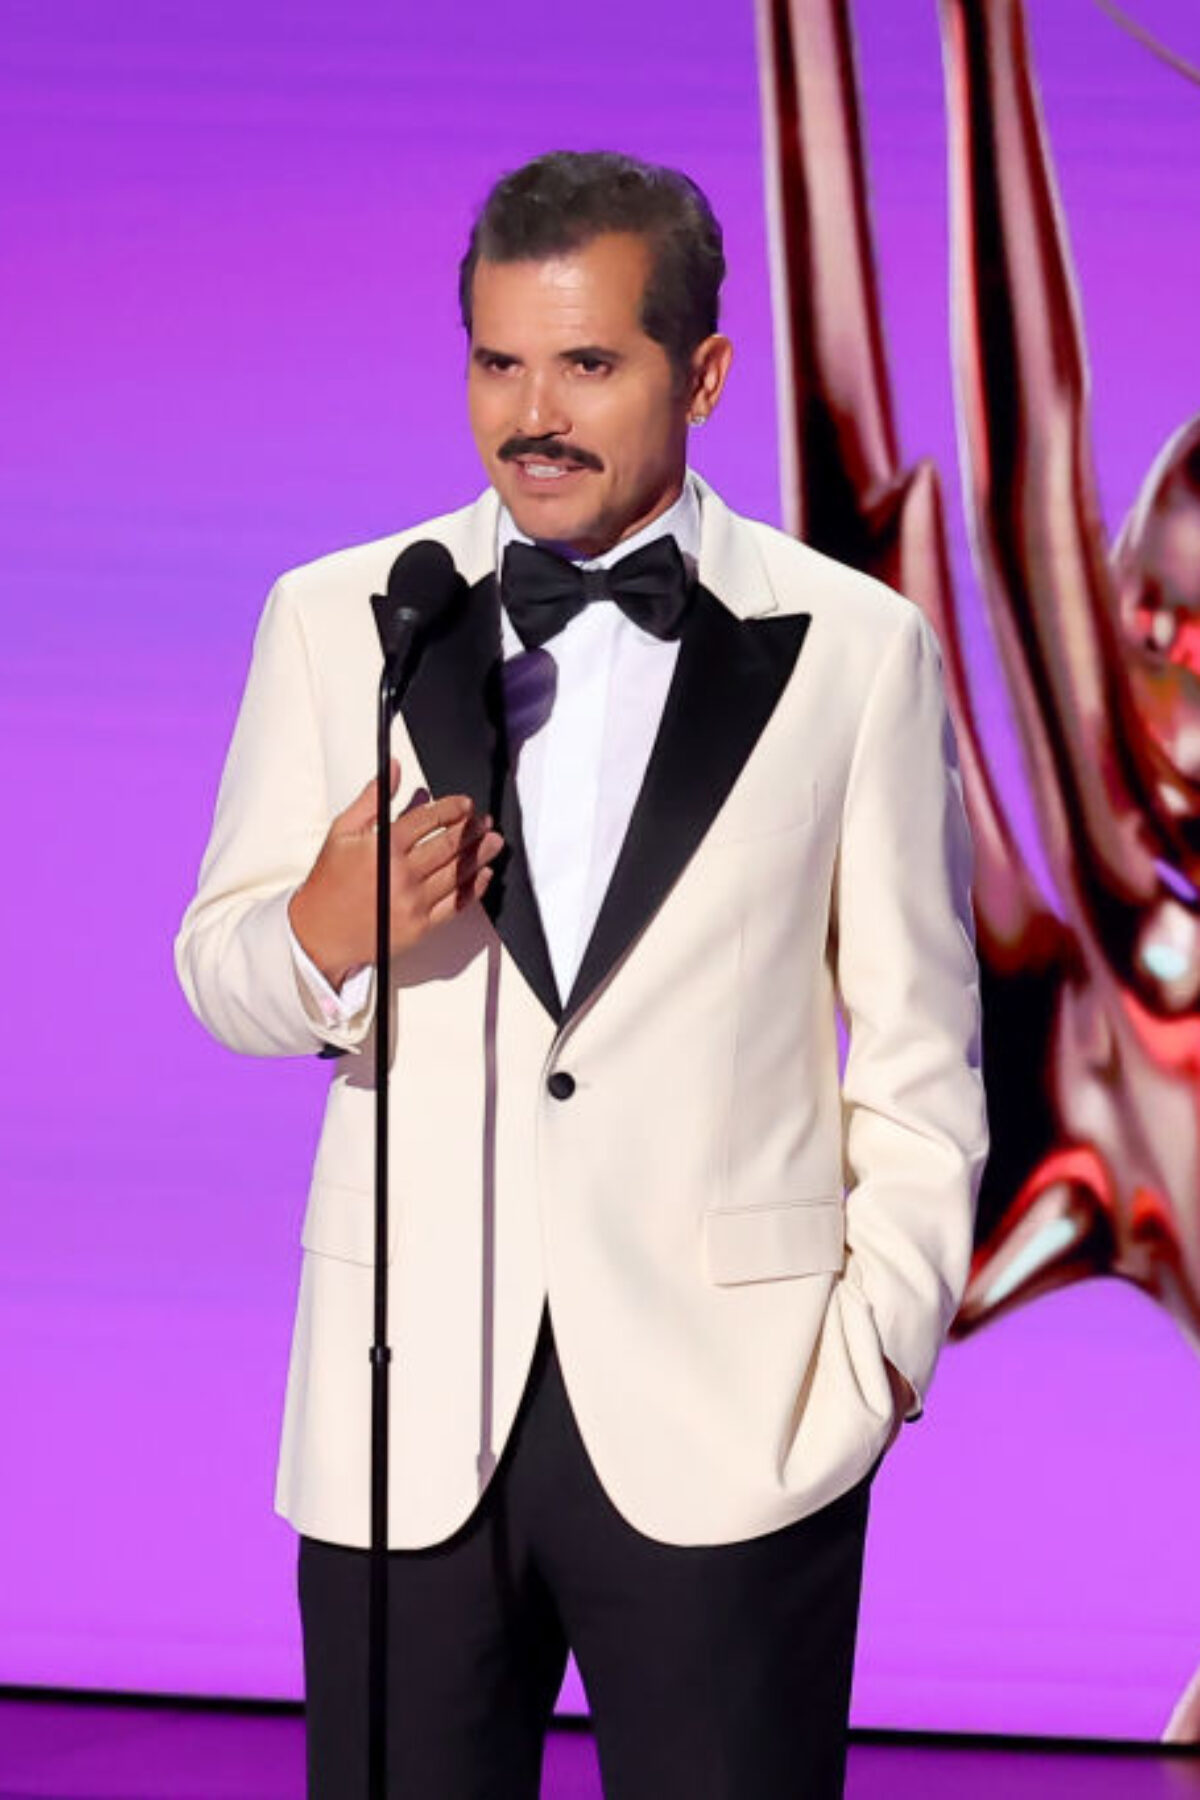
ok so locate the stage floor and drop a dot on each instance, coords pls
(53, 1749)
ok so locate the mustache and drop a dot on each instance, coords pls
(551, 449)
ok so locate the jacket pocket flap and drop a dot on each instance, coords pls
(770, 1243)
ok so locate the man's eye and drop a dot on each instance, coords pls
(592, 365)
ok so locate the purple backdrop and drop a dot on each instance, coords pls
(230, 343)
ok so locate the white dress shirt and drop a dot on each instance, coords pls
(582, 714)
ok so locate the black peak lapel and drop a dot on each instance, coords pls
(727, 681)
(447, 707)
(454, 712)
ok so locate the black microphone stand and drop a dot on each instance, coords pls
(422, 582)
(381, 1355)
(397, 668)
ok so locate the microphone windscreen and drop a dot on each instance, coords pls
(422, 584)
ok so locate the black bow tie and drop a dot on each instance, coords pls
(543, 592)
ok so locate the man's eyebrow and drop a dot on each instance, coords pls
(584, 352)
(484, 352)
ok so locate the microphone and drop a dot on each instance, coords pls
(422, 585)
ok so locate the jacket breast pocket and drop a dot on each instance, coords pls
(758, 812)
(776, 1241)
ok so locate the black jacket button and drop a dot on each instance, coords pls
(561, 1085)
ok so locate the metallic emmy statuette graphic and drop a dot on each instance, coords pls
(1091, 990)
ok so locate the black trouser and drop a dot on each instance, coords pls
(713, 1673)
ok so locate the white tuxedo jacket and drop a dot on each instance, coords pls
(730, 1236)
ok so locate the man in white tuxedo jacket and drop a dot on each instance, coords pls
(672, 792)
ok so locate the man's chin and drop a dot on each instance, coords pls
(552, 520)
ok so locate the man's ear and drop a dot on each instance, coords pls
(709, 367)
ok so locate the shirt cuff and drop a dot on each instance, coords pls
(333, 1006)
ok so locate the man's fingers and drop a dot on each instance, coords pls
(457, 876)
(461, 897)
(361, 813)
(435, 849)
(446, 847)
(436, 815)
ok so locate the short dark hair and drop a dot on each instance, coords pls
(561, 201)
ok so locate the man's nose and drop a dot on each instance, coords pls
(541, 410)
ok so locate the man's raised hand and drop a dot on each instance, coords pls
(440, 854)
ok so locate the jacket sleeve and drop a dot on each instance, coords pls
(914, 1124)
(233, 952)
